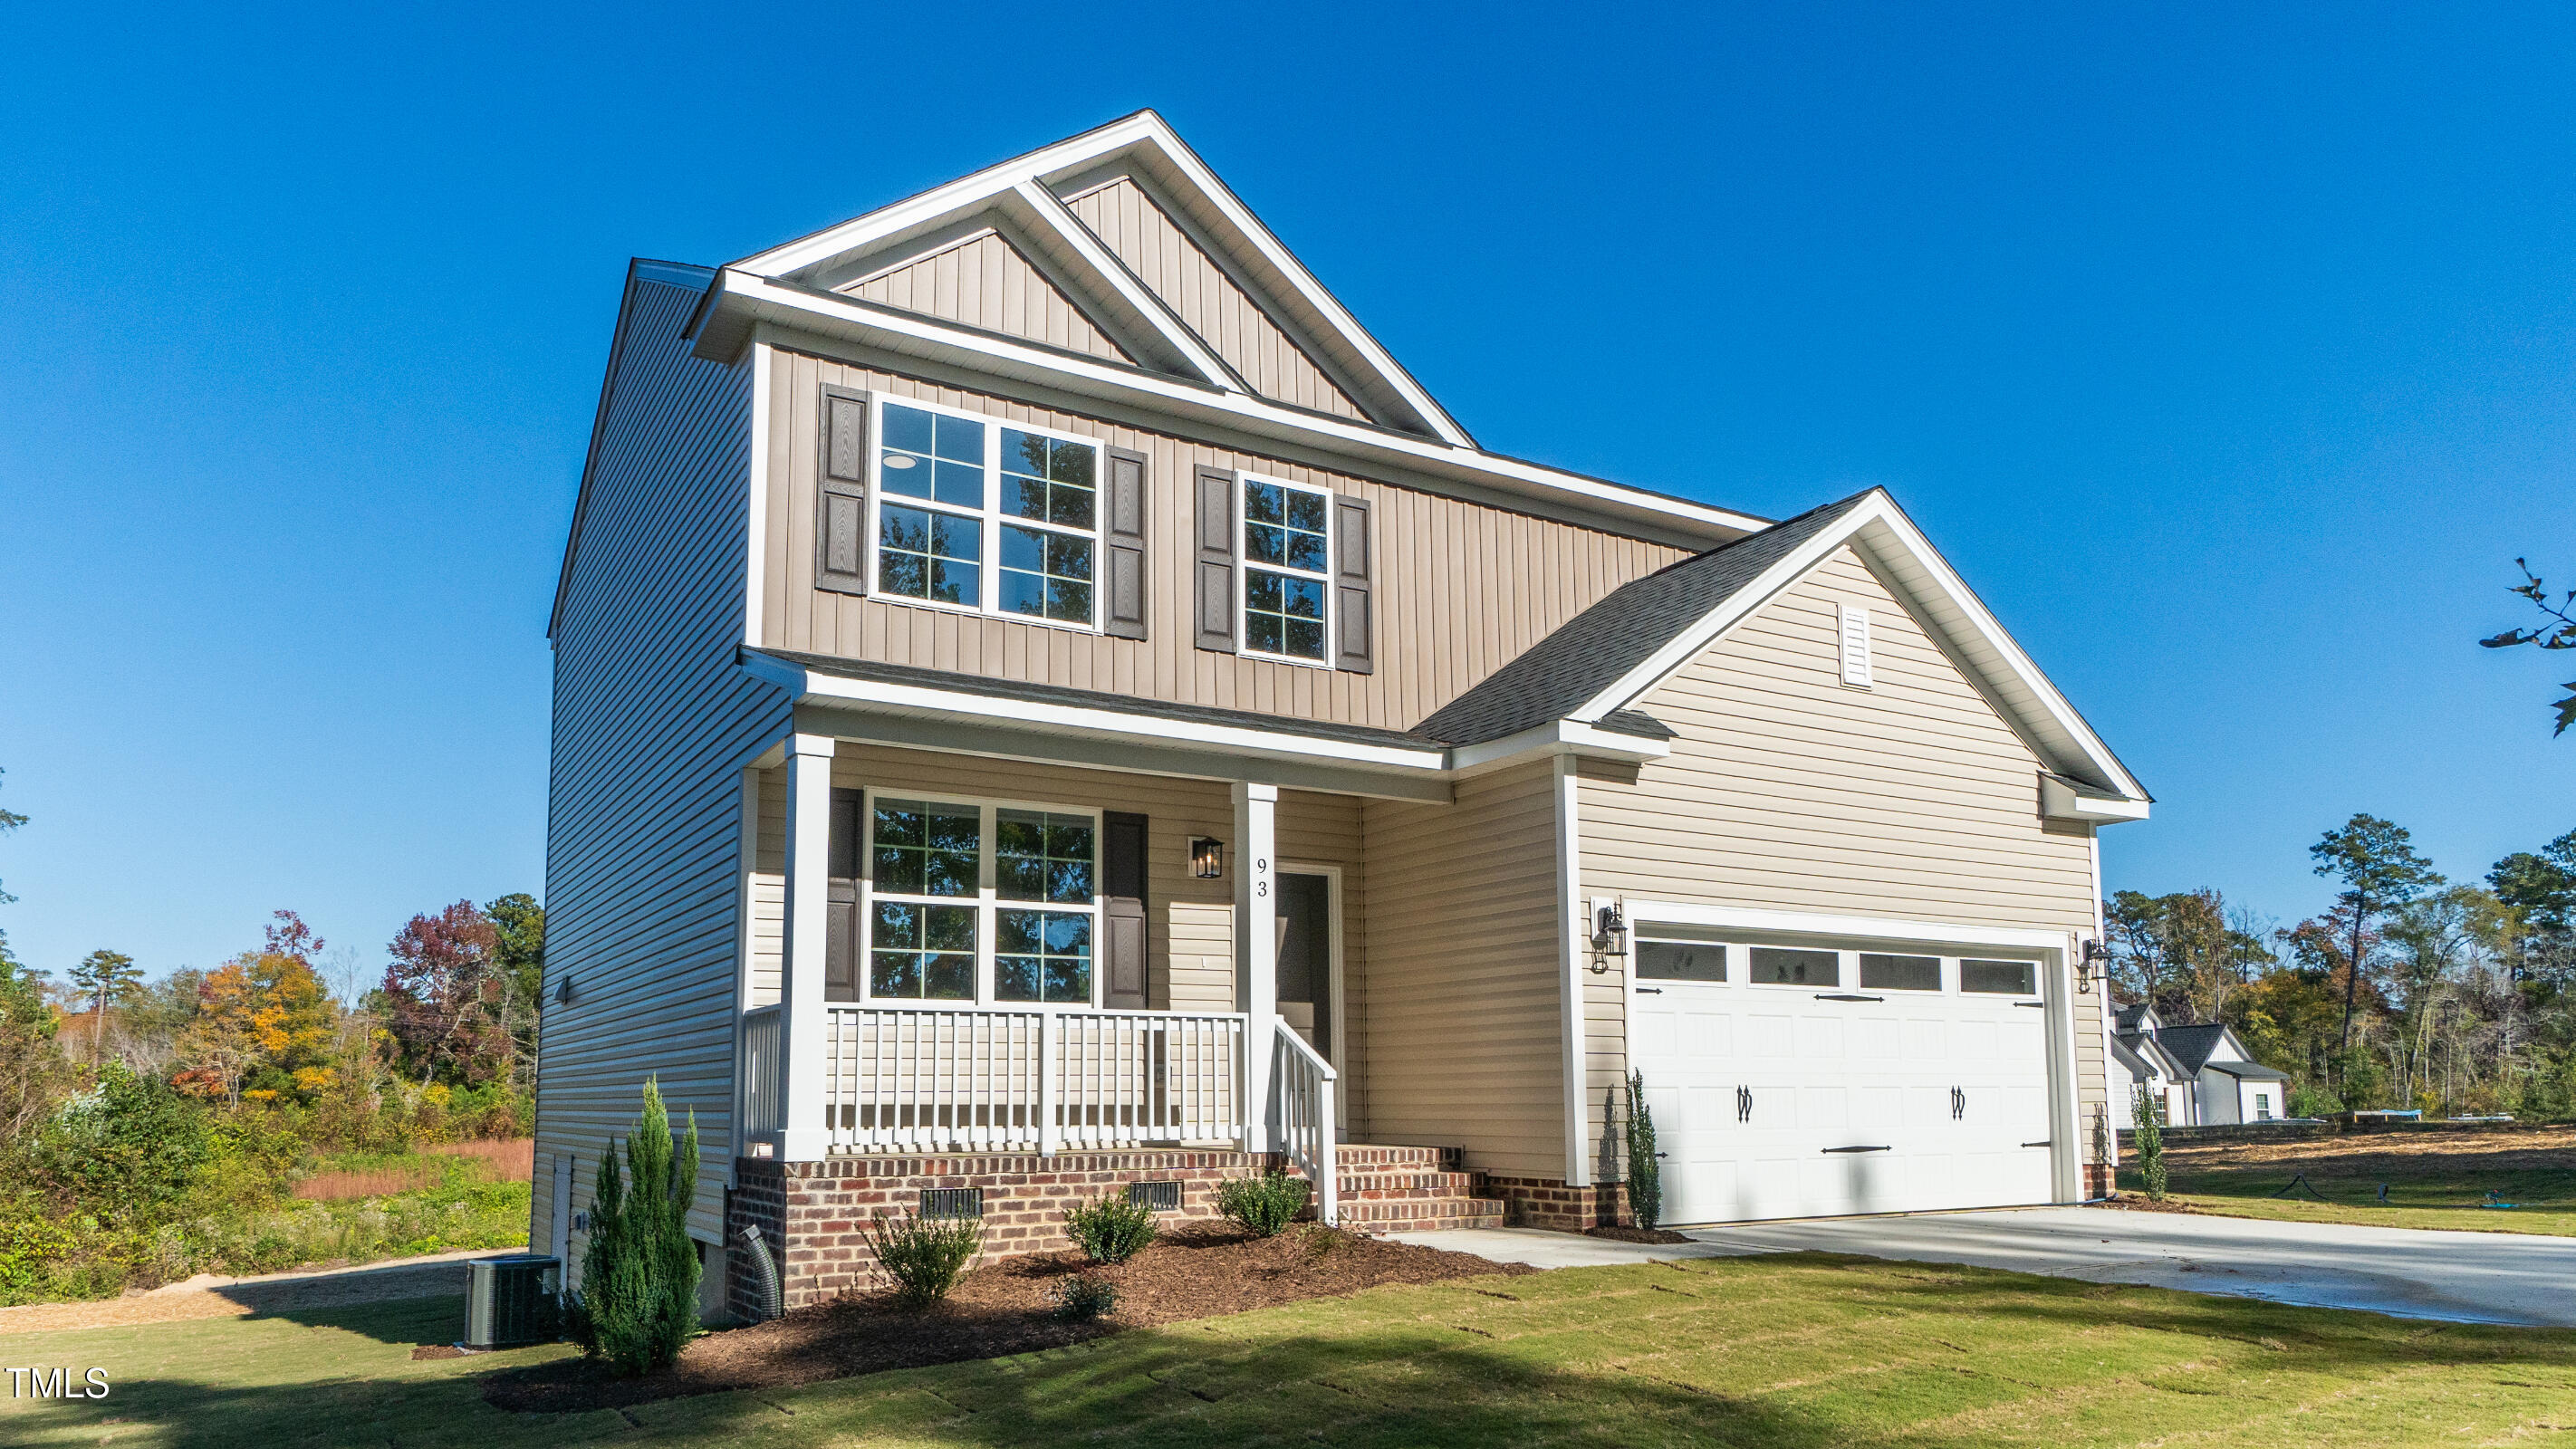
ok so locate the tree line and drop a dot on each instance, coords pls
(2411, 991)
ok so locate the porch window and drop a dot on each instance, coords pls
(1287, 554)
(948, 533)
(980, 902)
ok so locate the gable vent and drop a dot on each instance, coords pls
(1855, 638)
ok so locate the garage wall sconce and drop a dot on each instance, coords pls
(1207, 857)
(1609, 938)
(2097, 957)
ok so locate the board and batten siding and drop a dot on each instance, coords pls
(1460, 992)
(1199, 291)
(985, 282)
(1459, 588)
(1788, 790)
(651, 718)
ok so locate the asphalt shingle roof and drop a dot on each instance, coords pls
(1591, 651)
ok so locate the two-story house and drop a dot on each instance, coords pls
(1045, 704)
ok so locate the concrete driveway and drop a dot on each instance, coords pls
(2465, 1277)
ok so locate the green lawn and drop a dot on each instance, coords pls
(2436, 1190)
(1779, 1351)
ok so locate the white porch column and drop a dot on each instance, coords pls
(809, 863)
(1256, 951)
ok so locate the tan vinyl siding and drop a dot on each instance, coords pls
(1460, 588)
(1208, 302)
(985, 282)
(769, 893)
(1460, 991)
(1912, 799)
(651, 718)
(1190, 922)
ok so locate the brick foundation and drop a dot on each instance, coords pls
(1546, 1202)
(2097, 1179)
(814, 1214)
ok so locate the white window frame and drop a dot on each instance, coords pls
(986, 901)
(991, 518)
(1244, 565)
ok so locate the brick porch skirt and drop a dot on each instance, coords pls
(813, 1214)
(2097, 1179)
(1546, 1202)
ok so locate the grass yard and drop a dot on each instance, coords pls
(1782, 1351)
(2435, 1180)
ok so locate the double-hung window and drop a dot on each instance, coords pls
(1287, 552)
(981, 902)
(979, 514)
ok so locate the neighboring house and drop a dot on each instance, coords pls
(1044, 702)
(2203, 1074)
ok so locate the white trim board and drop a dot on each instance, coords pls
(1918, 575)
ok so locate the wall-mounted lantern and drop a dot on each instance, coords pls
(1207, 857)
(1609, 938)
(2096, 957)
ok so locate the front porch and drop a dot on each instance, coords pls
(1237, 974)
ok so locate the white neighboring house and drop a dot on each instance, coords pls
(2204, 1074)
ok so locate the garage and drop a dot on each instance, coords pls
(1804, 1078)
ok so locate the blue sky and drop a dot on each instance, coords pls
(2227, 351)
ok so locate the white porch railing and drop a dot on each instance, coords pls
(764, 1074)
(1301, 1100)
(932, 1079)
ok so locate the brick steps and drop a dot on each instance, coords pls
(1385, 1189)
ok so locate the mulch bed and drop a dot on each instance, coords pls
(1639, 1235)
(2140, 1203)
(1195, 1271)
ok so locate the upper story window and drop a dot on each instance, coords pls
(977, 514)
(1287, 569)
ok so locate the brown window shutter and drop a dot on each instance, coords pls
(1122, 612)
(841, 503)
(1122, 883)
(1216, 503)
(1354, 628)
(841, 929)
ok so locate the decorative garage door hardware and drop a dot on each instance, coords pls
(1650, 991)
(1744, 1104)
(1958, 1105)
(1881, 1148)
(2043, 1142)
(2033, 1005)
(1845, 996)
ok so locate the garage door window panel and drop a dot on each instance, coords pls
(1786, 966)
(1678, 953)
(2000, 978)
(1899, 973)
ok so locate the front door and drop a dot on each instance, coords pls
(1306, 959)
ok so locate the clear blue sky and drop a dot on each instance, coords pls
(2227, 352)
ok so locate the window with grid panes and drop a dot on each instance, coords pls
(1287, 563)
(981, 515)
(1042, 955)
(926, 861)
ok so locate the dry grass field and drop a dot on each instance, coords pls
(2433, 1179)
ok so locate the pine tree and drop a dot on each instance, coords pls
(1645, 1172)
(639, 1279)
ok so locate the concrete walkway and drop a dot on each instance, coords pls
(2410, 1273)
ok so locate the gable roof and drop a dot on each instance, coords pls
(1605, 659)
(1557, 676)
(1035, 189)
(2192, 1045)
(1331, 387)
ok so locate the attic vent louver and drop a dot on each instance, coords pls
(1855, 641)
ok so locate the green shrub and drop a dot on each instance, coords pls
(1645, 1167)
(127, 1150)
(2149, 1142)
(1263, 1205)
(639, 1279)
(1111, 1230)
(29, 1247)
(1083, 1297)
(924, 1256)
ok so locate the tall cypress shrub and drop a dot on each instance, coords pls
(1645, 1171)
(639, 1279)
(2150, 1142)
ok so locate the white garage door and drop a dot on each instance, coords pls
(1798, 1082)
